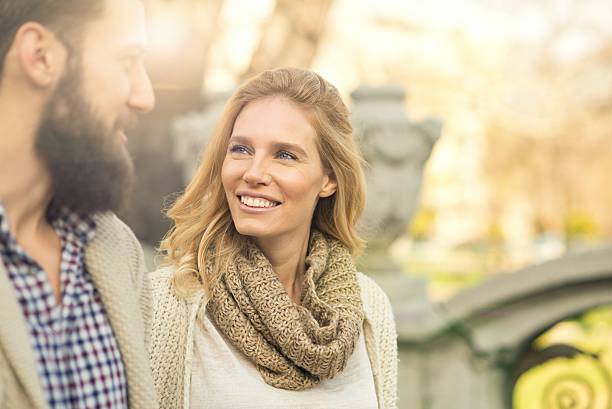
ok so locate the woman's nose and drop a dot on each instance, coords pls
(257, 174)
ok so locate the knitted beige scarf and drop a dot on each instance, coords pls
(293, 346)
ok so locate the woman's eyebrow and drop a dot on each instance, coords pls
(290, 147)
(239, 139)
(279, 146)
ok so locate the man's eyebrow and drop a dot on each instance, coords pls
(134, 49)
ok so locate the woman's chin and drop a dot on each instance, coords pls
(252, 231)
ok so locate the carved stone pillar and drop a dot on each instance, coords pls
(396, 150)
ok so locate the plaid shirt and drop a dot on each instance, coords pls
(79, 362)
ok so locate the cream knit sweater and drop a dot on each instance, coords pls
(172, 339)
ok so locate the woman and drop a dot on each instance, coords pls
(260, 305)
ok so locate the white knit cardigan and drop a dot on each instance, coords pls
(172, 330)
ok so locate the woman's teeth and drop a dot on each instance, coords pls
(256, 202)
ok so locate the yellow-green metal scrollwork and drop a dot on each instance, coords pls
(575, 381)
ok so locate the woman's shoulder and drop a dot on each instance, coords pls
(169, 312)
(160, 281)
(372, 296)
(381, 339)
(163, 288)
(162, 274)
(377, 310)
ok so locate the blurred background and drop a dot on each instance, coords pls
(517, 175)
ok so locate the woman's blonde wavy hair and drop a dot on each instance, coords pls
(203, 226)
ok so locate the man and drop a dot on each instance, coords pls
(72, 285)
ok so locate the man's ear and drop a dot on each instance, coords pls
(330, 186)
(40, 54)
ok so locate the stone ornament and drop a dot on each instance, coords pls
(395, 149)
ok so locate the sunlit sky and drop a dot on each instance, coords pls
(364, 36)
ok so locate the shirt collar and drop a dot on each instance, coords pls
(61, 218)
(67, 221)
(5, 231)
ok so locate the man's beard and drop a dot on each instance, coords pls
(91, 171)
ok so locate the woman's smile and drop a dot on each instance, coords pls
(254, 204)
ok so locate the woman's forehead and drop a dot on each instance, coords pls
(275, 120)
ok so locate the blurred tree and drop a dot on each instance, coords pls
(527, 107)
(181, 32)
(291, 35)
(548, 136)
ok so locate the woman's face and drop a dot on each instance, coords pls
(272, 174)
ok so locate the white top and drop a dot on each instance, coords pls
(223, 377)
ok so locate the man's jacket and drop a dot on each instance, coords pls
(114, 259)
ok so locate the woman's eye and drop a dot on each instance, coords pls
(238, 149)
(286, 155)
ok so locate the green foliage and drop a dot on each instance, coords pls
(495, 232)
(422, 224)
(580, 225)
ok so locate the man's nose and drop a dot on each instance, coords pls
(142, 98)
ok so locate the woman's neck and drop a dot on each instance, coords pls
(287, 260)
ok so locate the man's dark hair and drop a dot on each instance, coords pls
(65, 18)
